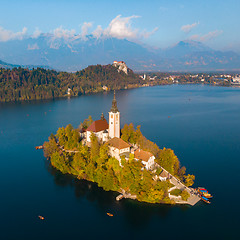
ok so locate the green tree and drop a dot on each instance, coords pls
(50, 147)
(189, 180)
(168, 160)
(86, 123)
(95, 146)
(184, 195)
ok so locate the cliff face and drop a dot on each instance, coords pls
(121, 66)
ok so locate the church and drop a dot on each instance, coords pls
(110, 132)
(104, 131)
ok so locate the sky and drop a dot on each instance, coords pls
(155, 23)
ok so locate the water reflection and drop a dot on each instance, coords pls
(136, 214)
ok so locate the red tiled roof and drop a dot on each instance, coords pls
(98, 126)
(118, 143)
(142, 155)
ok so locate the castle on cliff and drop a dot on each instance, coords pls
(121, 66)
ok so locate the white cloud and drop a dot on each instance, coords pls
(187, 28)
(210, 35)
(6, 35)
(206, 37)
(33, 46)
(85, 28)
(194, 37)
(97, 33)
(120, 27)
(60, 32)
(36, 33)
(146, 34)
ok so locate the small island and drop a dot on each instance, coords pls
(120, 160)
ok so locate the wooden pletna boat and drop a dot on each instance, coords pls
(204, 192)
(39, 147)
(205, 199)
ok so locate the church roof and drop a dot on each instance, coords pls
(142, 155)
(98, 126)
(118, 143)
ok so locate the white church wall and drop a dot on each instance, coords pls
(114, 124)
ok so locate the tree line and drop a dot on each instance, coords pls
(20, 84)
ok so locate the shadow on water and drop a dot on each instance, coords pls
(137, 214)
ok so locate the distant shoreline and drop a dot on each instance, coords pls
(106, 92)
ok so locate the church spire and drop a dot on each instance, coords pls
(102, 117)
(114, 108)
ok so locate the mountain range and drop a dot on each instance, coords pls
(75, 54)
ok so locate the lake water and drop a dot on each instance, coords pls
(200, 123)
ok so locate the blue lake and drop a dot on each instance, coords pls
(200, 123)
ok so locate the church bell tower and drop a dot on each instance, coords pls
(114, 120)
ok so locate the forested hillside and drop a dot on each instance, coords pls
(19, 84)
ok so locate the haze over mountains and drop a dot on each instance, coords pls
(75, 54)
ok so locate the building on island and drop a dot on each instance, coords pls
(102, 130)
(145, 157)
(119, 148)
(99, 128)
(110, 133)
(114, 120)
(164, 176)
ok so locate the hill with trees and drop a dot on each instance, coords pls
(20, 84)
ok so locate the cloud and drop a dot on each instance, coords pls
(60, 32)
(194, 37)
(187, 28)
(210, 35)
(85, 28)
(33, 46)
(6, 35)
(146, 34)
(36, 33)
(206, 37)
(120, 27)
(97, 33)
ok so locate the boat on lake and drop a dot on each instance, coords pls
(39, 147)
(206, 200)
(204, 192)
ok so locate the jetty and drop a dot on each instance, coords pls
(124, 194)
(192, 200)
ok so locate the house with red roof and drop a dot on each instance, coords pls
(118, 148)
(99, 128)
(145, 157)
